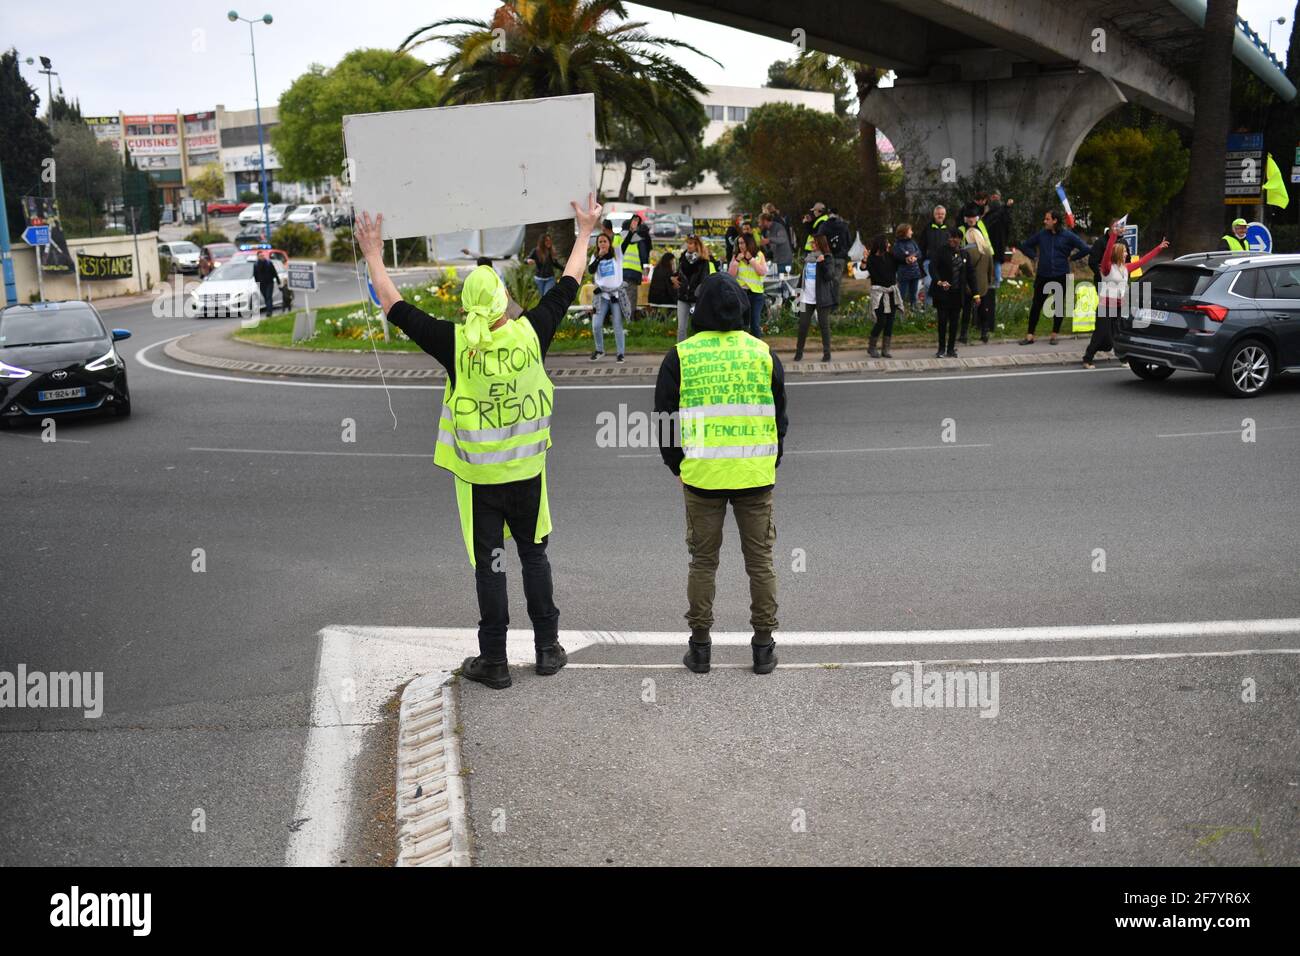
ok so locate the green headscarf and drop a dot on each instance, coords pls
(485, 300)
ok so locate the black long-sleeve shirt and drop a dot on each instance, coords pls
(668, 388)
(438, 336)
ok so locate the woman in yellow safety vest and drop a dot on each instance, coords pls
(749, 267)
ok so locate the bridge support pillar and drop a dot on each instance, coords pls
(945, 128)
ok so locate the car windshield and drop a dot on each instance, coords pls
(183, 247)
(19, 327)
(1174, 279)
(222, 249)
(231, 271)
(281, 207)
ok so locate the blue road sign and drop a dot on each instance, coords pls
(1258, 238)
(37, 235)
(374, 296)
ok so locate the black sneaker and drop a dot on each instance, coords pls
(939, 354)
(596, 355)
(697, 657)
(764, 657)
(619, 360)
(951, 353)
(488, 673)
(550, 659)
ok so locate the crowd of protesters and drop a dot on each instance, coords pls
(953, 265)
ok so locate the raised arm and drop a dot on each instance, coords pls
(587, 220)
(370, 240)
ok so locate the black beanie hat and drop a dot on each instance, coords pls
(721, 305)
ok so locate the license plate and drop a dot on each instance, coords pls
(58, 394)
(1147, 316)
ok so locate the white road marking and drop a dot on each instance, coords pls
(140, 357)
(844, 665)
(1229, 431)
(359, 668)
(58, 441)
(343, 454)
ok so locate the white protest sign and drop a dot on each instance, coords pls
(442, 170)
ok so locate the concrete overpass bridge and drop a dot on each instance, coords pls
(973, 75)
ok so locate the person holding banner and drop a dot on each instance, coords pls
(1112, 290)
(493, 433)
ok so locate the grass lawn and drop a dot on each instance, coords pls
(344, 328)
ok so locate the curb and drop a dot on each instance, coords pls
(175, 350)
(433, 829)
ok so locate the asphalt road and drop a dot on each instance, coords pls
(207, 676)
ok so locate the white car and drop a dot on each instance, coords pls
(184, 255)
(230, 292)
(310, 215)
(254, 214)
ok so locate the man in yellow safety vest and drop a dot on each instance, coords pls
(1235, 241)
(727, 391)
(494, 428)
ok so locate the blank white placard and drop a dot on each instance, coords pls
(472, 167)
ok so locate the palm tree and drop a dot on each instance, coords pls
(815, 68)
(539, 48)
(1202, 217)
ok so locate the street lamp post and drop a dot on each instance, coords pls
(1280, 21)
(47, 67)
(233, 16)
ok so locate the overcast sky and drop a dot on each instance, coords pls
(149, 56)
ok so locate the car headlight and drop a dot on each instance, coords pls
(109, 359)
(12, 371)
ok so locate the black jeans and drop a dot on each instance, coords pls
(884, 320)
(1040, 296)
(1101, 340)
(823, 321)
(949, 316)
(268, 291)
(496, 506)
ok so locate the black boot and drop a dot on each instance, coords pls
(488, 673)
(884, 348)
(550, 659)
(871, 348)
(698, 651)
(764, 652)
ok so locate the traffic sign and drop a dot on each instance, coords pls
(374, 296)
(302, 276)
(37, 235)
(1258, 238)
(1130, 238)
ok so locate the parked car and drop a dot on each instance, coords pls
(276, 213)
(215, 254)
(310, 215)
(342, 216)
(58, 358)
(184, 255)
(230, 292)
(226, 207)
(252, 235)
(671, 226)
(1234, 317)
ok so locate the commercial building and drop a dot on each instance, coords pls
(726, 106)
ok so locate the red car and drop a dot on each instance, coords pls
(214, 255)
(226, 207)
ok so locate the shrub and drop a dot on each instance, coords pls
(202, 237)
(519, 283)
(298, 239)
(343, 249)
(249, 196)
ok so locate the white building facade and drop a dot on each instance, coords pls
(727, 106)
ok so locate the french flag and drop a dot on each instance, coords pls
(1065, 204)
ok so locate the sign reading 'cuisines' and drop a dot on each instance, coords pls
(106, 267)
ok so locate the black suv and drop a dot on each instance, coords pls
(1233, 316)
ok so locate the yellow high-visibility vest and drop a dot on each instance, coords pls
(1234, 244)
(808, 243)
(727, 415)
(495, 423)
